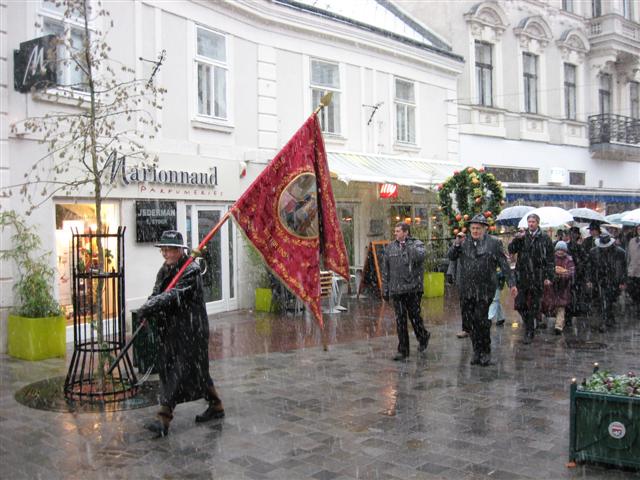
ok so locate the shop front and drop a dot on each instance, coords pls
(178, 194)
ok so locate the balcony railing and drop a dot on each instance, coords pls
(610, 128)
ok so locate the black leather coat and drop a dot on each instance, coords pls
(403, 268)
(477, 265)
(183, 331)
(536, 260)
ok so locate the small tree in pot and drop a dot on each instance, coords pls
(36, 327)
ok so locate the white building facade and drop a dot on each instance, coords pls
(241, 77)
(548, 100)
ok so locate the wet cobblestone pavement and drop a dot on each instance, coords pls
(297, 412)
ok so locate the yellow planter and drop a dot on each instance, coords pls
(433, 284)
(36, 338)
(264, 300)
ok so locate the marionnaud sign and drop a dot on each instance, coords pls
(128, 174)
(34, 64)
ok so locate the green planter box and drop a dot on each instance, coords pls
(604, 428)
(36, 338)
(433, 284)
(264, 300)
(145, 345)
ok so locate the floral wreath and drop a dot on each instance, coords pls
(475, 192)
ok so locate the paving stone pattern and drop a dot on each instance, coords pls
(350, 412)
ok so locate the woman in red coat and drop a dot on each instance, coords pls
(565, 271)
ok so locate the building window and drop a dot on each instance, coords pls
(211, 64)
(567, 6)
(577, 178)
(596, 8)
(514, 175)
(71, 66)
(570, 91)
(604, 94)
(325, 77)
(626, 9)
(405, 101)
(484, 73)
(634, 99)
(530, 82)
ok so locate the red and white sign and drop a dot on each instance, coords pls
(617, 430)
(388, 190)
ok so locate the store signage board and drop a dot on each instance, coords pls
(34, 64)
(388, 190)
(154, 217)
(125, 174)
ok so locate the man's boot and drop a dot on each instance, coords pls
(528, 337)
(215, 408)
(475, 360)
(160, 426)
(485, 359)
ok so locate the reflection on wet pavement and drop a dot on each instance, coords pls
(295, 411)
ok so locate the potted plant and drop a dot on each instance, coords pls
(36, 326)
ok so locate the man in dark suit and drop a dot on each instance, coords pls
(535, 268)
(477, 259)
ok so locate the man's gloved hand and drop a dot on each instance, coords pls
(450, 280)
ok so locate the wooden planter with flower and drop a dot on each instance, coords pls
(605, 420)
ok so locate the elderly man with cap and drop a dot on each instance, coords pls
(535, 268)
(477, 259)
(183, 331)
(607, 273)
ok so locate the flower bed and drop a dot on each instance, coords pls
(605, 419)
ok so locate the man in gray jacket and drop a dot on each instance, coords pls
(477, 260)
(402, 279)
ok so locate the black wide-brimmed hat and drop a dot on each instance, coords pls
(480, 218)
(595, 226)
(171, 238)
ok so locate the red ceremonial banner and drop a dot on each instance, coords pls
(289, 214)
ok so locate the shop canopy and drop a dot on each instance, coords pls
(418, 172)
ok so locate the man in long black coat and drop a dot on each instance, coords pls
(535, 268)
(183, 332)
(607, 274)
(477, 260)
(579, 294)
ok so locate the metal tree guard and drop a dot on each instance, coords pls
(98, 338)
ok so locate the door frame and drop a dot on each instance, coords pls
(226, 303)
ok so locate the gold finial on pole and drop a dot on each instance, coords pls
(325, 101)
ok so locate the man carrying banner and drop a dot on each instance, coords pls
(183, 330)
(402, 281)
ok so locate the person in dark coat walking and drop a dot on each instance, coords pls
(402, 281)
(606, 274)
(534, 268)
(183, 333)
(477, 259)
(579, 294)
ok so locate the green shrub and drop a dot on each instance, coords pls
(33, 286)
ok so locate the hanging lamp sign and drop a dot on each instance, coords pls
(388, 190)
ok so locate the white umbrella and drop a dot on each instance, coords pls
(614, 217)
(549, 217)
(631, 218)
(587, 215)
(512, 215)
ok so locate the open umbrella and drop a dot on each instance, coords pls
(587, 215)
(631, 218)
(511, 216)
(549, 217)
(614, 217)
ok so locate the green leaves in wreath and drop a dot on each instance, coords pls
(475, 191)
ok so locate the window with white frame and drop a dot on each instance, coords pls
(570, 91)
(325, 77)
(530, 64)
(567, 6)
(71, 70)
(634, 100)
(405, 100)
(484, 73)
(212, 70)
(604, 93)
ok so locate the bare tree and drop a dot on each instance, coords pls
(105, 111)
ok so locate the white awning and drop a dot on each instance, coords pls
(419, 172)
